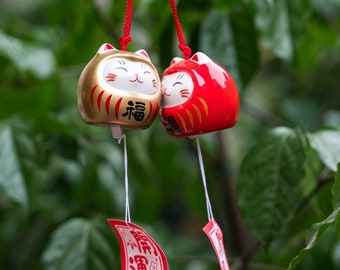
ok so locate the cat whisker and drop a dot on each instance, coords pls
(185, 93)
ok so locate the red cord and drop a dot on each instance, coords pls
(126, 38)
(185, 49)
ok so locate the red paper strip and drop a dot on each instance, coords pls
(138, 250)
(214, 232)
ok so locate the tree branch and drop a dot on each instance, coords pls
(322, 180)
(263, 115)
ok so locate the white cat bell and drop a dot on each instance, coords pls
(119, 88)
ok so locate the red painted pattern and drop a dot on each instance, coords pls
(107, 104)
(92, 93)
(117, 107)
(99, 99)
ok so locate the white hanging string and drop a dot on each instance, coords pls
(121, 137)
(200, 160)
(127, 204)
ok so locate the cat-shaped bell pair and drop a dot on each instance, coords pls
(119, 89)
(123, 89)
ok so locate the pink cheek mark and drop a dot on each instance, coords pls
(110, 77)
(154, 83)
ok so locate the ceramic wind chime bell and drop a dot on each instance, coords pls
(122, 90)
(199, 96)
(119, 88)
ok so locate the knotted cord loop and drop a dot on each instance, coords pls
(124, 41)
(126, 38)
(185, 49)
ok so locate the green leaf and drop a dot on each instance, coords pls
(26, 57)
(35, 101)
(318, 230)
(11, 178)
(336, 188)
(229, 38)
(79, 244)
(272, 22)
(327, 144)
(316, 37)
(216, 40)
(337, 226)
(269, 182)
(245, 38)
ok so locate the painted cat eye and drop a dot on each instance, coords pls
(177, 83)
(123, 68)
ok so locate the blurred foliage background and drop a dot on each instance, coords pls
(273, 179)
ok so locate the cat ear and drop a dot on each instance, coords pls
(201, 58)
(143, 53)
(176, 60)
(105, 47)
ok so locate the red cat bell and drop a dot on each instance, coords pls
(199, 96)
(119, 88)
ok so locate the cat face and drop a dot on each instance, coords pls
(130, 75)
(177, 89)
(119, 88)
(199, 96)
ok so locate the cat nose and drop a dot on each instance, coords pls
(165, 93)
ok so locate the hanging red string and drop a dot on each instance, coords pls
(185, 49)
(126, 38)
